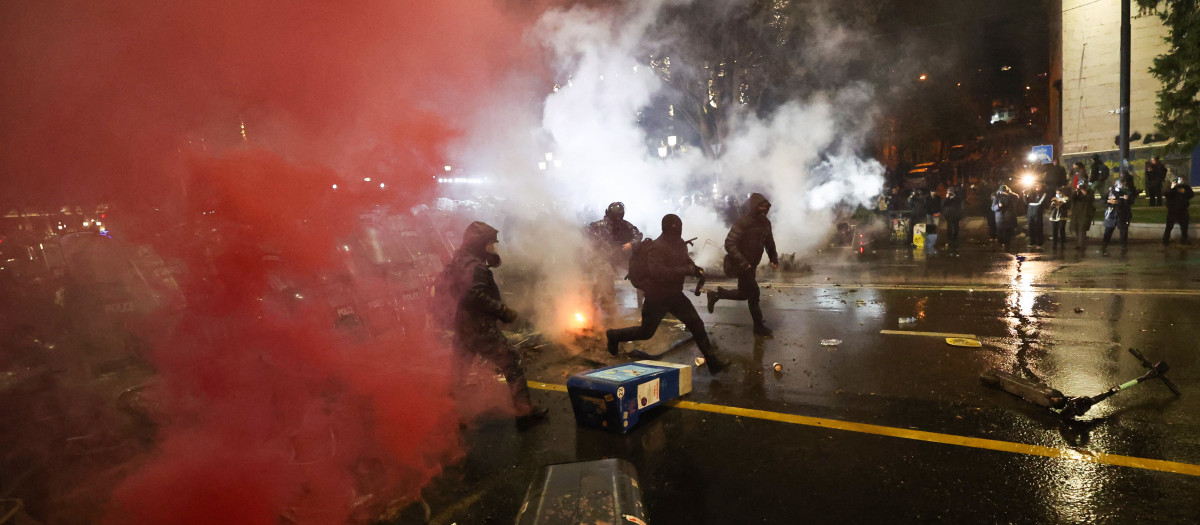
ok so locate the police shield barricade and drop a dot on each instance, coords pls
(604, 491)
(613, 398)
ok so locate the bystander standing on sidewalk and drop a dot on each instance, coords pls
(1156, 175)
(1178, 198)
(1118, 213)
(1035, 200)
(1060, 209)
(1083, 210)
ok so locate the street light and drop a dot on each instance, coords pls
(672, 140)
(662, 152)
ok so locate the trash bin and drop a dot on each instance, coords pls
(604, 491)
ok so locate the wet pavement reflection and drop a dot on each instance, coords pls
(1065, 320)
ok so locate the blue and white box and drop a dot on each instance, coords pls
(614, 397)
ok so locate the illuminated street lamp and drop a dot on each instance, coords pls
(672, 140)
(662, 152)
(542, 166)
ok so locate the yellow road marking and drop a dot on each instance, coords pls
(547, 386)
(930, 437)
(930, 334)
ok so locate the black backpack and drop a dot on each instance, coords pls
(639, 264)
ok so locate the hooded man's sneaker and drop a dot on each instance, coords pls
(716, 365)
(712, 299)
(614, 347)
(761, 329)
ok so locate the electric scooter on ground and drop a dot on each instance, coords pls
(1072, 407)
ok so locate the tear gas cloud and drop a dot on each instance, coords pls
(804, 155)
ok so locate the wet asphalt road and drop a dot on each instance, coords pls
(898, 428)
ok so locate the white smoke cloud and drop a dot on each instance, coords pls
(803, 156)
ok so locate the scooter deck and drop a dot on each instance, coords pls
(1035, 393)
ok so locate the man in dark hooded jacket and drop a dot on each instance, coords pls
(668, 264)
(744, 247)
(480, 310)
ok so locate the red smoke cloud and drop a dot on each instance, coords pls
(99, 97)
(251, 111)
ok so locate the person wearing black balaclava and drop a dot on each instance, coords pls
(668, 265)
(479, 313)
(744, 245)
(613, 239)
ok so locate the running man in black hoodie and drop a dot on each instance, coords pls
(669, 264)
(744, 247)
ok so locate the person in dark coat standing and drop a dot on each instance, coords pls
(612, 239)
(952, 211)
(1035, 200)
(1100, 171)
(1179, 197)
(1118, 214)
(1156, 175)
(1083, 211)
(479, 313)
(1056, 177)
(744, 246)
(1004, 207)
(1060, 211)
(668, 264)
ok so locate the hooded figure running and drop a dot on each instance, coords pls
(668, 264)
(480, 310)
(744, 247)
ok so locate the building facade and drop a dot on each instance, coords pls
(1090, 62)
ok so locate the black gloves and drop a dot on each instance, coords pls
(508, 315)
